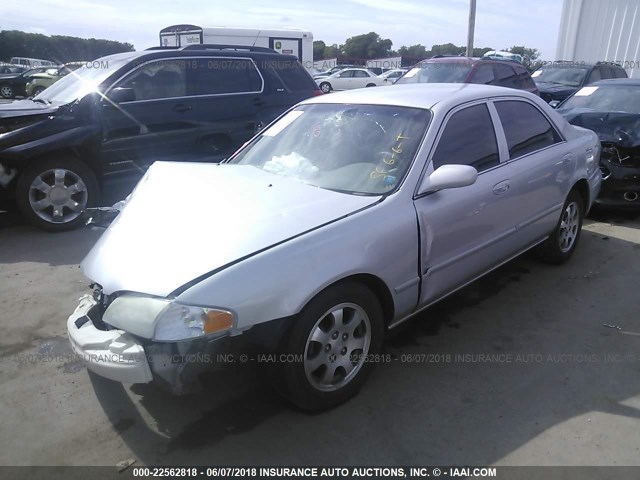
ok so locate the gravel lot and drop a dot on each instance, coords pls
(560, 389)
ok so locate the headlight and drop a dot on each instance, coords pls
(182, 322)
(165, 321)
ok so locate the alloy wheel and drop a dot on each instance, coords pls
(58, 195)
(569, 227)
(337, 346)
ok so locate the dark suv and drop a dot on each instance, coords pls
(89, 137)
(559, 80)
(486, 71)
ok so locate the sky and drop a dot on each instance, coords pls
(499, 23)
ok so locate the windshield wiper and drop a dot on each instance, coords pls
(40, 100)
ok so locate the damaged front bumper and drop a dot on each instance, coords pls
(113, 354)
(620, 179)
(122, 357)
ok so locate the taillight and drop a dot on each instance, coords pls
(315, 93)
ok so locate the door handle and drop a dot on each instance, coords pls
(568, 158)
(181, 108)
(502, 187)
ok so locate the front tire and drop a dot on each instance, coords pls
(563, 241)
(53, 194)
(325, 87)
(371, 85)
(6, 91)
(335, 335)
(38, 91)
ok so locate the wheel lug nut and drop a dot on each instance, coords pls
(335, 335)
(327, 347)
(343, 351)
(345, 336)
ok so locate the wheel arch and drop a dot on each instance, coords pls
(377, 286)
(582, 187)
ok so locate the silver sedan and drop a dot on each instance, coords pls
(345, 217)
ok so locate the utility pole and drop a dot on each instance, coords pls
(472, 25)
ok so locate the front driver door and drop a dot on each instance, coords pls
(154, 126)
(465, 231)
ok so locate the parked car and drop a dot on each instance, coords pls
(391, 76)
(559, 80)
(611, 108)
(485, 71)
(347, 216)
(348, 79)
(13, 85)
(40, 81)
(7, 70)
(100, 128)
(333, 70)
(31, 62)
(501, 55)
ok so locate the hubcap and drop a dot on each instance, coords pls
(337, 347)
(325, 88)
(58, 195)
(6, 91)
(569, 227)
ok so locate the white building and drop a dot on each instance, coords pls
(601, 30)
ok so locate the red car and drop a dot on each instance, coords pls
(486, 71)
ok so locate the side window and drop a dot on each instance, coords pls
(360, 74)
(156, 80)
(468, 139)
(483, 75)
(505, 76)
(217, 76)
(606, 72)
(594, 76)
(346, 74)
(526, 129)
(620, 73)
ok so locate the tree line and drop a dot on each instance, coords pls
(57, 48)
(371, 45)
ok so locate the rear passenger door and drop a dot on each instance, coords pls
(465, 231)
(541, 164)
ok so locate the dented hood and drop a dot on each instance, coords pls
(185, 220)
(620, 128)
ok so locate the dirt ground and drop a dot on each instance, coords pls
(518, 370)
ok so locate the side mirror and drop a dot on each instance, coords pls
(554, 103)
(449, 176)
(120, 95)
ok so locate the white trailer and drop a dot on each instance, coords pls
(290, 41)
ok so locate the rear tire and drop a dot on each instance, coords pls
(563, 241)
(53, 194)
(332, 341)
(371, 85)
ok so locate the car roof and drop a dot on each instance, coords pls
(617, 81)
(420, 95)
(160, 52)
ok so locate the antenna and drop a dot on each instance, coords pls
(257, 36)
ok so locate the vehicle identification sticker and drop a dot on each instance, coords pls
(411, 72)
(537, 73)
(586, 91)
(283, 123)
